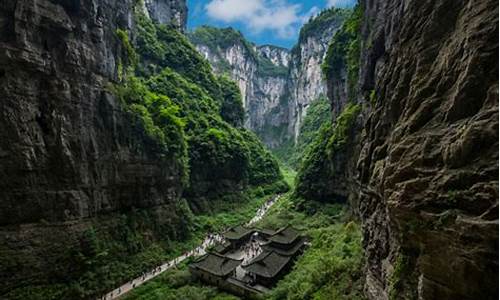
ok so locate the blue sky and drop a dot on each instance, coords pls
(274, 22)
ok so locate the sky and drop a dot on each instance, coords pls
(275, 22)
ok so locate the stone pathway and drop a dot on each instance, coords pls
(198, 251)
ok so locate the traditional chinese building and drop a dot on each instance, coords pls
(222, 247)
(214, 268)
(221, 268)
(269, 267)
(285, 241)
(238, 236)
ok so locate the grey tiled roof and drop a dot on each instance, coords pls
(267, 231)
(216, 264)
(286, 235)
(221, 247)
(289, 252)
(268, 264)
(237, 232)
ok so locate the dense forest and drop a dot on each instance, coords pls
(128, 142)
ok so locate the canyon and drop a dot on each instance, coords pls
(277, 84)
(125, 138)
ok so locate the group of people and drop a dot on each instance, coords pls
(263, 210)
(251, 250)
(209, 240)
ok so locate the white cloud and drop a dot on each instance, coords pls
(233, 10)
(276, 15)
(341, 3)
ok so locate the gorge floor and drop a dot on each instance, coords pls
(330, 267)
(202, 249)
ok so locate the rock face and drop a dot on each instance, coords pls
(277, 84)
(306, 81)
(67, 150)
(261, 72)
(168, 12)
(429, 161)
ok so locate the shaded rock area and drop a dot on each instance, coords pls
(429, 160)
(68, 152)
(168, 12)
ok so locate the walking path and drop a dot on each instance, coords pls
(209, 240)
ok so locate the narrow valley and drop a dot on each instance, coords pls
(142, 158)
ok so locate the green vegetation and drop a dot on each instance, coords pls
(315, 175)
(266, 68)
(161, 46)
(174, 94)
(115, 248)
(402, 277)
(232, 106)
(318, 114)
(317, 25)
(400, 267)
(110, 250)
(373, 97)
(230, 210)
(132, 57)
(189, 119)
(343, 125)
(219, 39)
(344, 51)
(288, 174)
(159, 117)
(331, 268)
(196, 116)
(177, 284)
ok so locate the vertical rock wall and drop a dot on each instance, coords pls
(429, 161)
(68, 152)
(276, 101)
(306, 82)
(168, 12)
(262, 90)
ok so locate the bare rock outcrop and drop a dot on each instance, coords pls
(69, 153)
(429, 159)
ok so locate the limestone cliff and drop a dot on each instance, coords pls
(425, 184)
(306, 82)
(429, 163)
(168, 12)
(278, 85)
(260, 71)
(59, 160)
(68, 151)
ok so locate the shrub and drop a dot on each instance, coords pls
(316, 170)
(344, 52)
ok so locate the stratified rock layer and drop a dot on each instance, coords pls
(429, 162)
